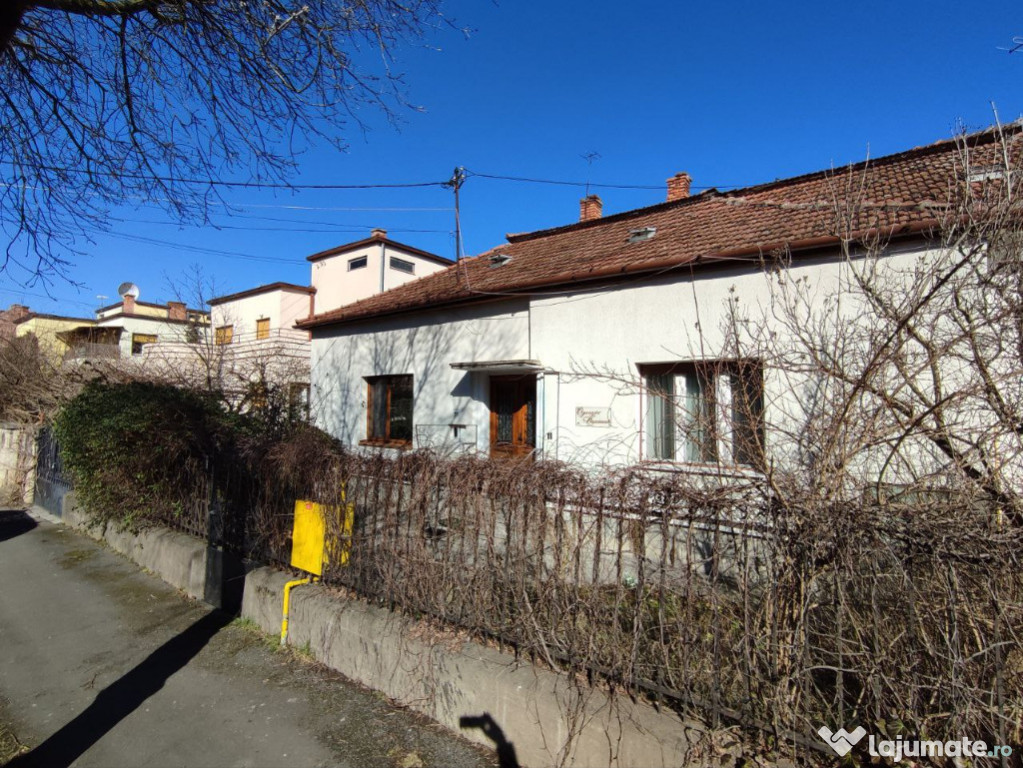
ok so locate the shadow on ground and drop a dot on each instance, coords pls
(121, 698)
(14, 522)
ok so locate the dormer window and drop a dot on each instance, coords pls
(642, 234)
(357, 263)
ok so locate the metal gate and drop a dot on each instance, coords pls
(51, 484)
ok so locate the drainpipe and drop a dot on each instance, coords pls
(287, 606)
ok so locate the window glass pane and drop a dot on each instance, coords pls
(661, 416)
(701, 432)
(357, 263)
(747, 382)
(401, 408)
(403, 266)
(378, 414)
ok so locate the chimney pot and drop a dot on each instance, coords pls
(678, 186)
(378, 234)
(590, 207)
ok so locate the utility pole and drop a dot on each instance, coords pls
(457, 180)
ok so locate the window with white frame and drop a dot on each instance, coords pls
(704, 412)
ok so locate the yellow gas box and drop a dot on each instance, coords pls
(309, 549)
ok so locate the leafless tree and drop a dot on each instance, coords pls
(110, 101)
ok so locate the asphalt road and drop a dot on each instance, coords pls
(103, 665)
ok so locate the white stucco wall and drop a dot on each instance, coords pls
(243, 314)
(336, 285)
(423, 345)
(164, 330)
(295, 306)
(590, 343)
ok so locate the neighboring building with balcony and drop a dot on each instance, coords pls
(138, 325)
(121, 333)
(50, 331)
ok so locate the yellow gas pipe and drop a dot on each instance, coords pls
(287, 605)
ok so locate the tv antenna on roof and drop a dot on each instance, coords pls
(589, 157)
(128, 289)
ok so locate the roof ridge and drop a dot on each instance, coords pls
(980, 138)
(707, 194)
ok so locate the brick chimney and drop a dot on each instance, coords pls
(176, 310)
(590, 207)
(129, 304)
(678, 186)
(16, 312)
(9, 317)
(378, 233)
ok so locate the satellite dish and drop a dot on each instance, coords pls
(128, 289)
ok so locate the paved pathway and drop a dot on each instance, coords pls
(103, 665)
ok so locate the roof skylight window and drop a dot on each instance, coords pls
(642, 234)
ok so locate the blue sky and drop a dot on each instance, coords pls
(734, 93)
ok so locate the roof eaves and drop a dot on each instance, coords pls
(268, 288)
(348, 247)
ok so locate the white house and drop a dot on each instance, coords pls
(353, 271)
(255, 342)
(585, 342)
(252, 342)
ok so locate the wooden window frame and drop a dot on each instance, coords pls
(262, 328)
(386, 440)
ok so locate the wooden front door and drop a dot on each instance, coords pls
(512, 416)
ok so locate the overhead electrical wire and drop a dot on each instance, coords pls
(334, 228)
(197, 249)
(584, 184)
(234, 184)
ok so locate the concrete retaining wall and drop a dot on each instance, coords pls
(177, 558)
(444, 678)
(448, 680)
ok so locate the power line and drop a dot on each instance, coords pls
(560, 182)
(234, 184)
(340, 229)
(195, 248)
(14, 292)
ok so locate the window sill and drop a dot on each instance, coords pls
(403, 445)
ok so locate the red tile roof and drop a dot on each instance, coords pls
(897, 195)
